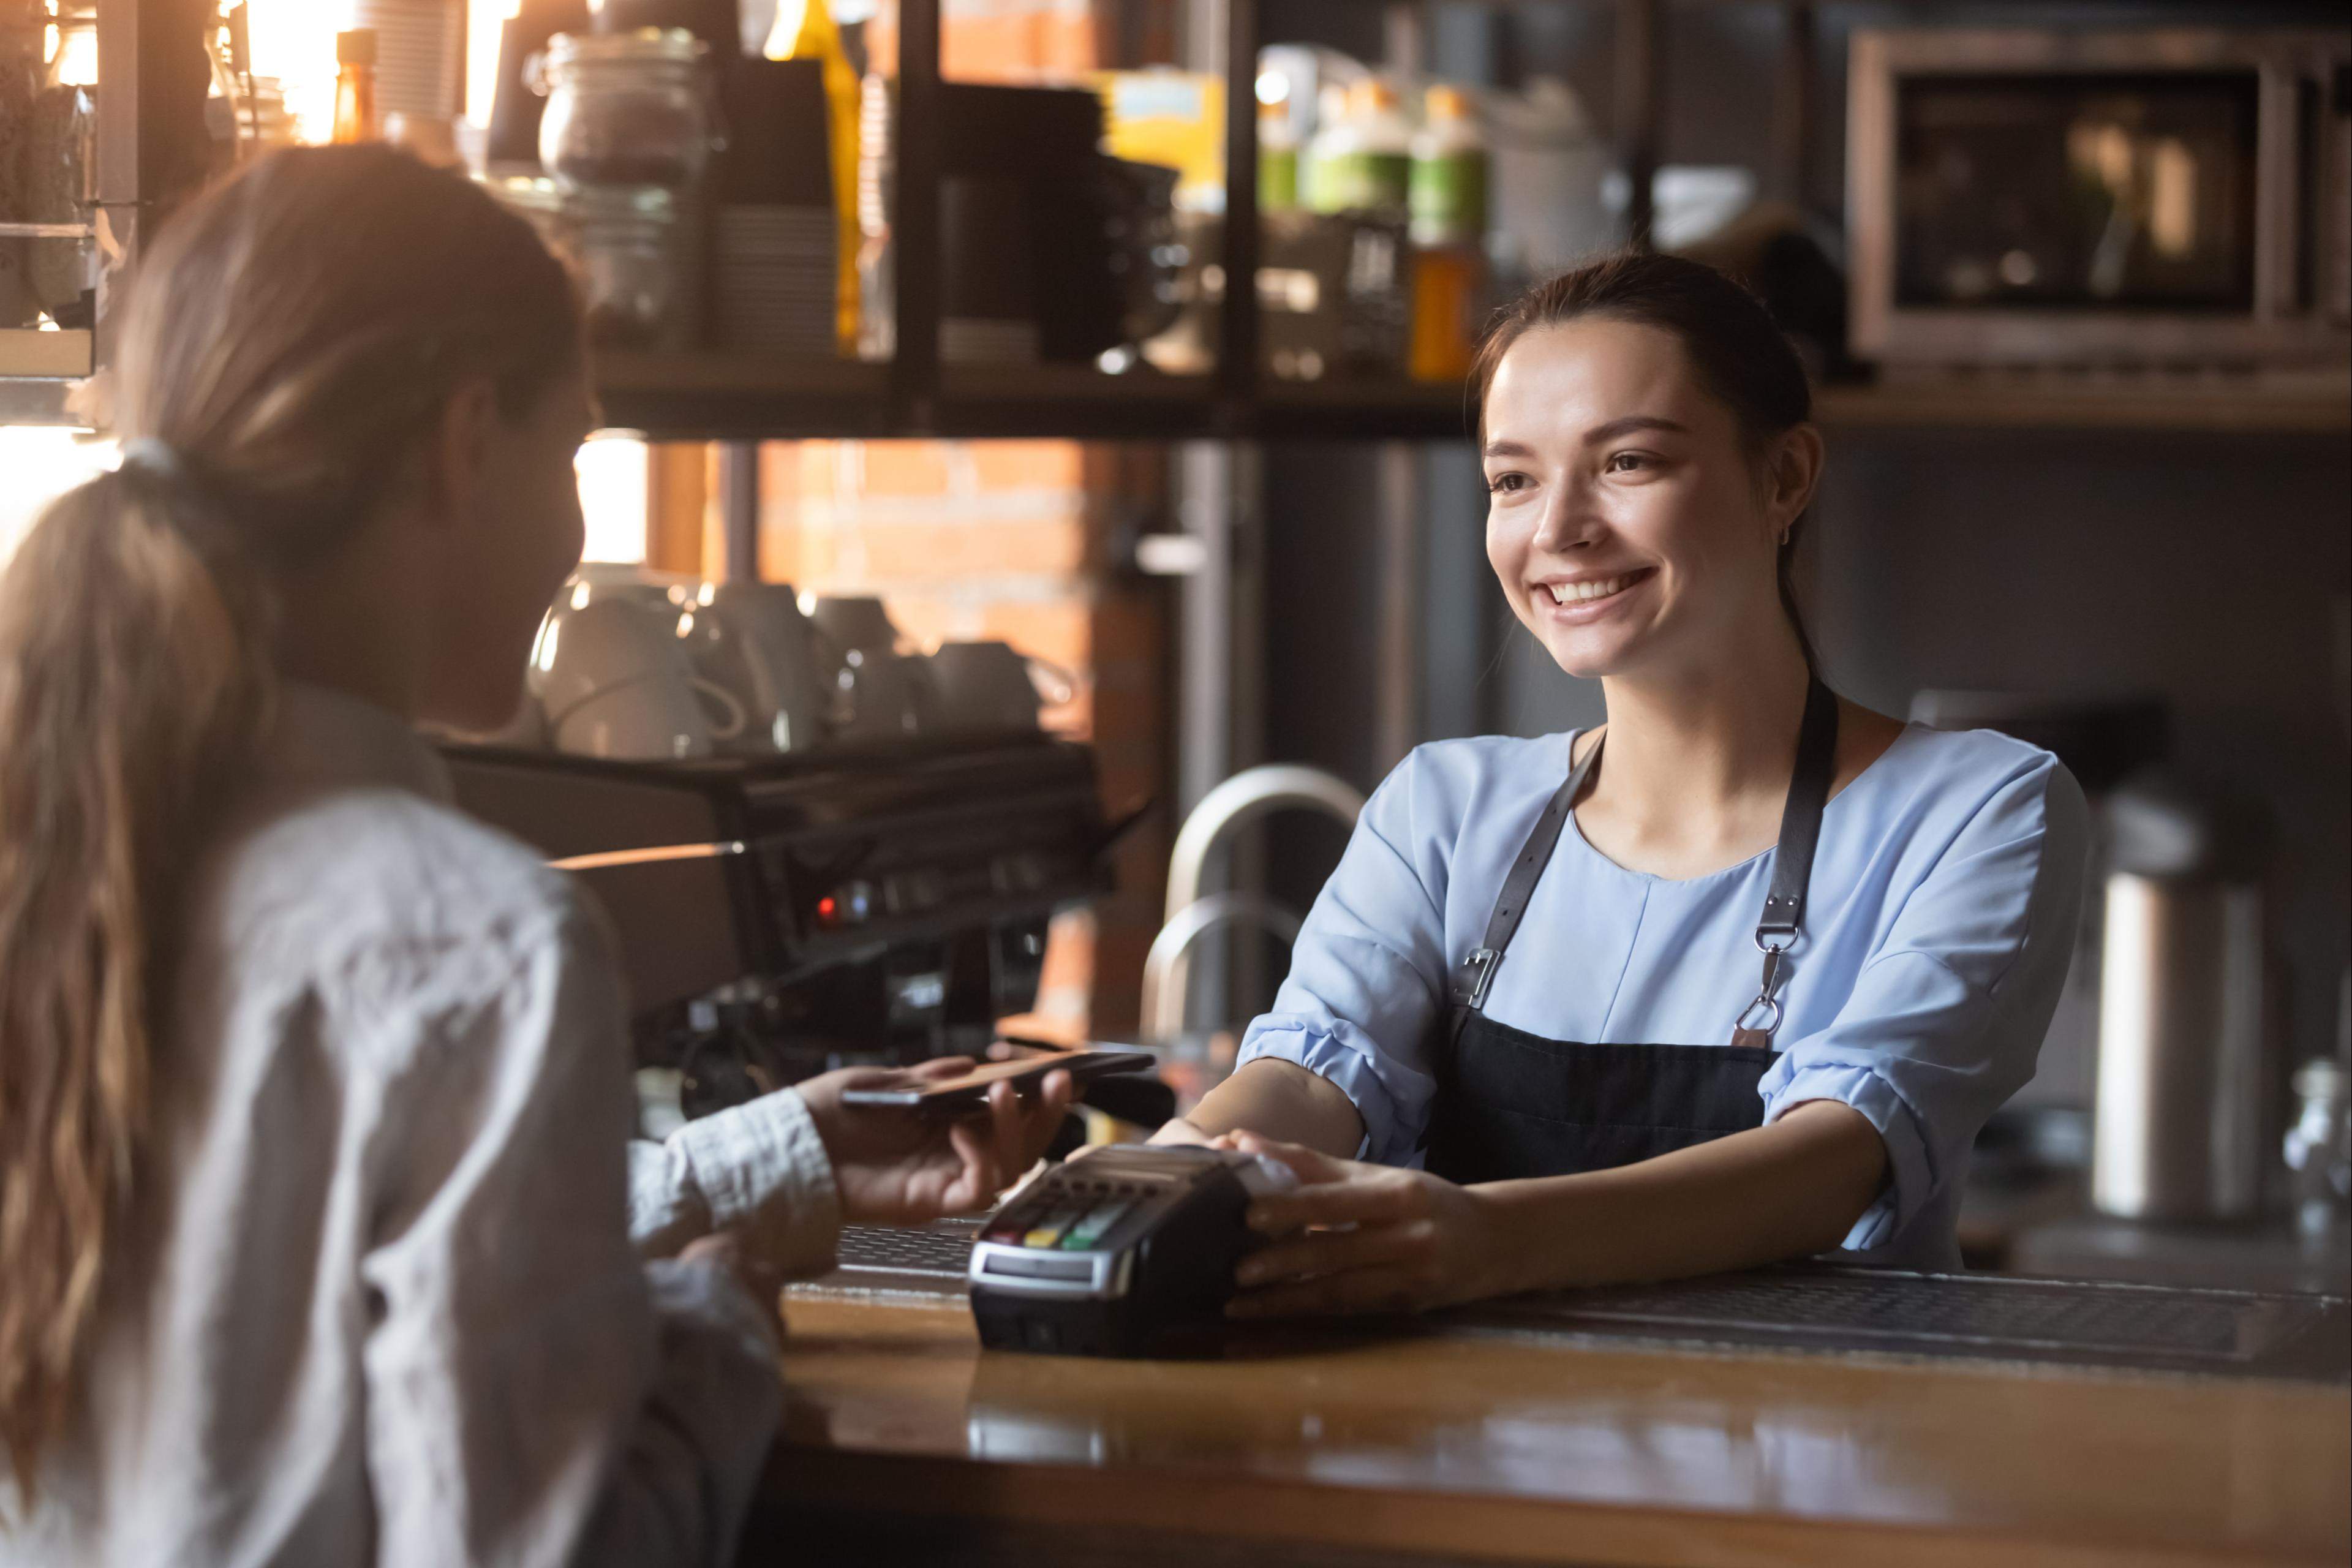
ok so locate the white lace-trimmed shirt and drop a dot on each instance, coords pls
(390, 1288)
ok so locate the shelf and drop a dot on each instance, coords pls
(716, 396)
(54, 356)
(721, 397)
(2318, 404)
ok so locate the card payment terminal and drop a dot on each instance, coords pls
(1128, 1252)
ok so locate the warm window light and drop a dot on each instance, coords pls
(485, 23)
(42, 462)
(294, 40)
(612, 489)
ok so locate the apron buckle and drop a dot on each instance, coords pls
(1481, 963)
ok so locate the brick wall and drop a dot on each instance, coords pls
(1010, 541)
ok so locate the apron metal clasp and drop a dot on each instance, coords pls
(1481, 964)
(1741, 1033)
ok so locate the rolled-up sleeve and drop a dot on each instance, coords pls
(1367, 978)
(1947, 1016)
(759, 1169)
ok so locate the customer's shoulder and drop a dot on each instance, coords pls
(385, 865)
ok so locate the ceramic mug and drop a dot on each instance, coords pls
(993, 687)
(763, 649)
(613, 679)
(883, 697)
(853, 621)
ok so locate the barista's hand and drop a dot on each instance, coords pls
(892, 1167)
(1365, 1238)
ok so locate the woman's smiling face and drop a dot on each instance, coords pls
(1625, 517)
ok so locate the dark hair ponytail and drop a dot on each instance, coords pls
(1741, 356)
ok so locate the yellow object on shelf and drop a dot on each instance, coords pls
(812, 36)
(1175, 119)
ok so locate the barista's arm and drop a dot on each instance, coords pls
(1386, 1239)
(1277, 1100)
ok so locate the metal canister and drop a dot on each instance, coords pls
(2178, 1124)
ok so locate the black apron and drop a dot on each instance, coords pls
(1513, 1104)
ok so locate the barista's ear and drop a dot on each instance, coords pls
(1792, 471)
(456, 455)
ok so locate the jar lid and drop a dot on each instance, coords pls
(356, 48)
(641, 45)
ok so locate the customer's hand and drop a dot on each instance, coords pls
(894, 1166)
(1365, 1238)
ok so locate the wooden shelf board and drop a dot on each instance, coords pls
(50, 355)
(691, 396)
(2313, 405)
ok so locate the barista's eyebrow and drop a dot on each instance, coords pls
(1628, 425)
(1593, 437)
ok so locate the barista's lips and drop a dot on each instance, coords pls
(1587, 596)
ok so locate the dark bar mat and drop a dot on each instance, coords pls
(1988, 1316)
(1818, 1308)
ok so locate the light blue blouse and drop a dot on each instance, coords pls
(1938, 930)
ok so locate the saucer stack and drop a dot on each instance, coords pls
(773, 278)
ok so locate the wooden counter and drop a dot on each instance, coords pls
(905, 1443)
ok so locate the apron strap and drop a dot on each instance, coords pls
(1784, 902)
(1800, 819)
(1520, 885)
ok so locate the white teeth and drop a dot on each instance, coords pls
(1577, 592)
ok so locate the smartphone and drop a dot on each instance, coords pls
(968, 1092)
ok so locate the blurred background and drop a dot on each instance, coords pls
(926, 302)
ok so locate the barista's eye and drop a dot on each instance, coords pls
(1507, 484)
(1628, 462)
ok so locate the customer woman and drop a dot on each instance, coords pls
(1734, 977)
(322, 1240)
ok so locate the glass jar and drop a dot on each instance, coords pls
(624, 245)
(627, 110)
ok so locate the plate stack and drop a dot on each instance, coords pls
(772, 276)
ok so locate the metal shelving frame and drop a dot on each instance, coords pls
(732, 397)
(42, 397)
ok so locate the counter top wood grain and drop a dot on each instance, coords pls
(1435, 1444)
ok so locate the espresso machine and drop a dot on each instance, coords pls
(784, 915)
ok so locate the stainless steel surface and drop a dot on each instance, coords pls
(1163, 1008)
(2177, 1123)
(1241, 800)
(2279, 328)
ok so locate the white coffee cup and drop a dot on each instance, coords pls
(884, 697)
(991, 686)
(614, 680)
(764, 651)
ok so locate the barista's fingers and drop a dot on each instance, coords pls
(1369, 1199)
(1386, 1288)
(1319, 1254)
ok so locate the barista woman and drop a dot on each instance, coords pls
(1734, 977)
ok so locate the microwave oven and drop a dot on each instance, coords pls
(2167, 198)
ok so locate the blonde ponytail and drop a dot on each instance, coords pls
(290, 340)
(124, 715)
